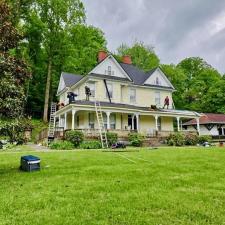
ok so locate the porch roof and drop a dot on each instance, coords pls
(208, 118)
(125, 107)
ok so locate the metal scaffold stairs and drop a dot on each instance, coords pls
(102, 130)
(51, 126)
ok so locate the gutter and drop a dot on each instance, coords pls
(107, 90)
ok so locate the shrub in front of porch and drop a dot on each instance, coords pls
(135, 139)
(204, 138)
(176, 139)
(191, 139)
(74, 136)
(61, 145)
(112, 138)
(90, 145)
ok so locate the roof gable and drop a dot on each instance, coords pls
(62, 84)
(157, 78)
(70, 79)
(110, 67)
(67, 80)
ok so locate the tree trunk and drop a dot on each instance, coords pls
(47, 90)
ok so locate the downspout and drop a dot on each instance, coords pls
(107, 90)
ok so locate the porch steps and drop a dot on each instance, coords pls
(102, 130)
(51, 126)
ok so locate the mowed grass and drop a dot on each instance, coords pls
(164, 186)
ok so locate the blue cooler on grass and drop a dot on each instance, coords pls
(30, 163)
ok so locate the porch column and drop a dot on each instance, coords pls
(132, 128)
(65, 121)
(60, 121)
(198, 126)
(181, 125)
(55, 120)
(73, 118)
(156, 123)
(108, 120)
(178, 123)
(137, 121)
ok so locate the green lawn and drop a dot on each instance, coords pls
(164, 186)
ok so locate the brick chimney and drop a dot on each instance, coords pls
(102, 55)
(126, 59)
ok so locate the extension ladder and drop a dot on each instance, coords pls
(102, 130)
(51, 126)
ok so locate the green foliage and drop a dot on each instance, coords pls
(177, 78)
(191, 139)
(199, 78)
(176, 139)
(14, 129)
(135, 139)
(143, 56)
(204, 138)
(74, 136)
(14, 71)
(61, 145)
(90, 145)
(37, 125)
(112, 138)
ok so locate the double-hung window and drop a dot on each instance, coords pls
(91, 119)
(157, 98)
(112, 119)
(132, 95)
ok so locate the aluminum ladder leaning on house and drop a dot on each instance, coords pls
(102, 131)
(51, 126)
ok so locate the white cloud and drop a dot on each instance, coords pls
(176, 28)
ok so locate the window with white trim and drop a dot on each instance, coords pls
(91, 85)
(113, 121)
(157, 98)
(132, 95)
(159, 124)
(91, 120)
(110, 89)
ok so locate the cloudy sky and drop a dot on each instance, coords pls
(176, 28)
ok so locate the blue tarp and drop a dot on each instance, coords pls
(30, 158)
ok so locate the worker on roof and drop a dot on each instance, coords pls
(166, 102)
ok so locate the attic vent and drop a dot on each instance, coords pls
(109, 71)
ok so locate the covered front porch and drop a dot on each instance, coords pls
(122, 119)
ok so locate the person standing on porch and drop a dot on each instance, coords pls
(166, 102)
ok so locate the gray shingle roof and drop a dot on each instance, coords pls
(108, 77)
(71, 79)
(137, 75)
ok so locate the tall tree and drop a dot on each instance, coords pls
(13, 71)
(85, 42)
(199, 76)
(143, 56)
(57, 18)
